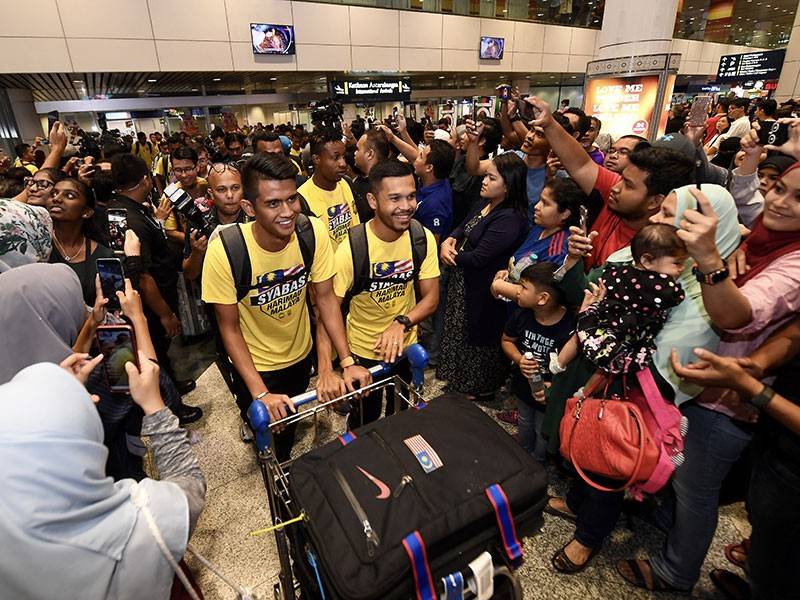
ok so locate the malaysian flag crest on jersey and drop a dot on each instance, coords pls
(424, 453)
(273, 278)
(391, 268)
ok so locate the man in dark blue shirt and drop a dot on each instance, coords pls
(435, 196)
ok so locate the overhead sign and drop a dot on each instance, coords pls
(755, 65)
(371, 91)
(625, 105)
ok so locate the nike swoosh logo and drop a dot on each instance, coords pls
(382, 487)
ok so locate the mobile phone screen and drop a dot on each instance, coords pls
(117, 344)
(117, 226)
(112, 280)
(52, 119)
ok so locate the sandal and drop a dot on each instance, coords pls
(640, 573)
(737, 553)
(562, 563)
(559, 512)
(730, 584)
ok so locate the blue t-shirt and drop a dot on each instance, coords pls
(535, 184)
(435, 207)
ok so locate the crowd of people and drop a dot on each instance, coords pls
(536, 256)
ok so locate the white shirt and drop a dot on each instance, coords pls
(739, 128)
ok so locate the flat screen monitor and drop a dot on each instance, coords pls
(272, 39)
(492, 48)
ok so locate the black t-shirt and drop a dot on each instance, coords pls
(85, 270)
(157, 259)
(540, 340)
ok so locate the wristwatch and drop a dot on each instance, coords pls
(762, 398)
(712, 278)
(405, 322)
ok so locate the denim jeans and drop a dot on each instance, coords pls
(713, 444)
(430, 330)
(774, 557)
(597, 511)
(531, 418)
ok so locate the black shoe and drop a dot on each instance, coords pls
(185, 386)
(188, 414)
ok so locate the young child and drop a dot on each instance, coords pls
(621, 317)
(540, 324)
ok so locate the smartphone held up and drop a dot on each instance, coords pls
(112, 280)
(118, 346)
(117, 226)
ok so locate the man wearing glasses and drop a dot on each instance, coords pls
(184, 166)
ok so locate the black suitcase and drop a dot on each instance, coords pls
(433, 474)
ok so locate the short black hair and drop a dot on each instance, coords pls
(564, 122)
(740, 103)
(21, 149)
(542, 276)
(724, 102)
(232, 137)
(128, 170)
(174, 139)
(642, 143)
(379, 143)
(657, 240)
(441, 157)
(216, 134)
(583, 121)
(768, 105)
(568, 196)
(266, 136)
(111, 148)
(323, 136)
(265, 167)
(185, 153)
(18, 173)
(492, 134)
(385, 169)
(666, 169)
(514, 172)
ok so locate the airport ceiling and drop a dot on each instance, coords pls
(47, 87)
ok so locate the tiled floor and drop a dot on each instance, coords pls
(236, 504)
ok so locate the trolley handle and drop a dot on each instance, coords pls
(259, 415)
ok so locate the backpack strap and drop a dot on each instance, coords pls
(306, 239)
(305, 209)
(239, 259)
(419, 245)
(359, 248)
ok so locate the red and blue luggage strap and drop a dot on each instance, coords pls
(423, 582)
(347, 437)
(505, 522)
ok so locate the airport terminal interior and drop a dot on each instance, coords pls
(558, 241)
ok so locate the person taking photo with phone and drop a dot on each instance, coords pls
(264, 321)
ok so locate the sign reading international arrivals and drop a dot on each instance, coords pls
(371, 91)
(754, 65)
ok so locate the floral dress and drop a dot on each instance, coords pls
(617, 334)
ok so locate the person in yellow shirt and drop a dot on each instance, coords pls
(265, 326)
(329, 195)
(142, 148)
(184, 166)
(384, 309)
(25, 156)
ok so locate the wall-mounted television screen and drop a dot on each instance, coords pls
(272, 39)
(492, 48)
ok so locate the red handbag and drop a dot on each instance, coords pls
(609, 437)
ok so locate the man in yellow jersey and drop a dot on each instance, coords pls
(328, 195)
(266, 330)
(383, 307)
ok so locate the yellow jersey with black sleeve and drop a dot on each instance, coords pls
(390, 291)
(336, 208)
(274, 315)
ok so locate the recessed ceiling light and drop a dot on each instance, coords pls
(78, 82)
(273, 79)
(474, 77)
(152, 80)
(194, 89)
(217, 79)
(441, 76)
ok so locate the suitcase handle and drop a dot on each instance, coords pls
(259, 416)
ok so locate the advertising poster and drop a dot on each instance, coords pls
(662, 121)
(625, 105)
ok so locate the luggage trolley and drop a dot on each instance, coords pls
(284, 512)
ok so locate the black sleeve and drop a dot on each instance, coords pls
(512, 325)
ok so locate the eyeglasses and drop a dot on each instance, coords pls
(39, 184)
(620, 151)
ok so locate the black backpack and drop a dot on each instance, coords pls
(239, 257)
(359, 248)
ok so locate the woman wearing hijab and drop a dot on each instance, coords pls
(75, 235)
(687, 327)
(68, 529)
(748, 309)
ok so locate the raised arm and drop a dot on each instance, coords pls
(409, 151)
(474, 164)
(573, 157)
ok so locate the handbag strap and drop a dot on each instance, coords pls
(637, 466)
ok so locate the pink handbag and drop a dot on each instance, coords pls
(608, 437)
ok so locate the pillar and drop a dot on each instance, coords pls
(789, 83)
(634, 27)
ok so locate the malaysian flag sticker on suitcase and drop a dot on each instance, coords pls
(424, 452)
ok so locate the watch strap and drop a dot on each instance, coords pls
(713, 277)
(347, 361)
(762, 398)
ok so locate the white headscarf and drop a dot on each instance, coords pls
(689, 326)
(67, 529)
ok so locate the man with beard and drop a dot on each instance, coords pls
(328, 195)
(629, 196)
(383, 307)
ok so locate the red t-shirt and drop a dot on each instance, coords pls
(613, 233)
(711, 128)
